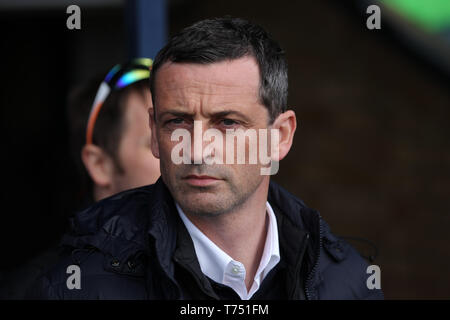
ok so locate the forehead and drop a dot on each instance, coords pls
(224, 82)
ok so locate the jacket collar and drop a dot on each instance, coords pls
(144, 220)
(163, 226)
(293, 237)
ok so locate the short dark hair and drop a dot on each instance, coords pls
(108, 129)
(219, 39)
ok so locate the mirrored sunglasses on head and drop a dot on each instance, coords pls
(120, 76)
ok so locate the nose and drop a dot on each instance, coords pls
(207, 144)
(197, 144)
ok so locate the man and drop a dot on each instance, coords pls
(109, 133)
(110, 144)
(209, 229)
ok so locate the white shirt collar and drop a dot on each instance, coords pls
(220, 267)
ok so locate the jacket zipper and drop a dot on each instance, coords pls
(298, 263)
(314, 269)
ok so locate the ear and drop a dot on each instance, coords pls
(154, 141)
(286, 123)
(99, 165)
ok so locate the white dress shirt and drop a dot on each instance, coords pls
(222, 268)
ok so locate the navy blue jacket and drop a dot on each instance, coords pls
(127, 247)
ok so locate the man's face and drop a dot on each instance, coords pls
(222, 96)
(139, 165)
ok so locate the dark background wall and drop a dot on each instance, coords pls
(41, 61)
(371, 152)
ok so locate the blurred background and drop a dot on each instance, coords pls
(371, 153)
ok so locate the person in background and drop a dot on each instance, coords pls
(110, 144)
(216, 231)
(109, 132)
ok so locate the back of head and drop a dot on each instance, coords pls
(108, 127)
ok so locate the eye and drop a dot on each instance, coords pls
(229, 122)
(175, 121)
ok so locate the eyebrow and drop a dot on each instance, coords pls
(175, 113)
(225, 113)
(219, 114)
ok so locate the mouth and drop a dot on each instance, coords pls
(201, 180)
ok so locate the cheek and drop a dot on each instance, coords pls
(144, 159)
(136, 158)
(141, 169)
(128, 154)
(243, 173)
(151, 163)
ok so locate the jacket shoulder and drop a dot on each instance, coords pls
(87, 275)
(125, 205)
(103, 251)
(342, 272)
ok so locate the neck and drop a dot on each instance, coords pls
(242, 232)
(101, 193)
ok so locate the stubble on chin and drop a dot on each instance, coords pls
(206, 201)
(211, 201)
